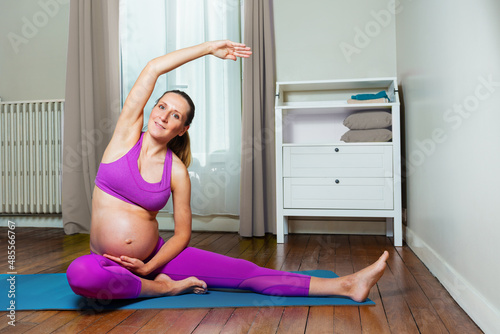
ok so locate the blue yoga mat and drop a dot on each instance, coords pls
(52, 292)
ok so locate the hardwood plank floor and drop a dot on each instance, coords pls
(408, 298)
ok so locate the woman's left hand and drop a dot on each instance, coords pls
(229, 50)
(134, 265)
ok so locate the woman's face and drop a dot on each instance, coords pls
(168, 117)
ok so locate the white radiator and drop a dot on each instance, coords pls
(31, 155)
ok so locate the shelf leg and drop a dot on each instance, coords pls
(280, 228)
(389, 227)
(398, 231)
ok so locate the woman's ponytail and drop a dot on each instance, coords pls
(180, 145)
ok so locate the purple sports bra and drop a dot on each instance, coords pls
(122, 179)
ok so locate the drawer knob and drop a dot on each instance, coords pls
(336, 149)
(337, 181)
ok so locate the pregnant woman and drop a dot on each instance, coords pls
(138, 173)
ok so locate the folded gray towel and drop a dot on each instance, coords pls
(365, 120)
(367, 136)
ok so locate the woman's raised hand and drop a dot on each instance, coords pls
(229, 50)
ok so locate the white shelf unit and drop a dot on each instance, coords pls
(318, 175)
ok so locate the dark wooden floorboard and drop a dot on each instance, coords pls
(267, 320)
(293, 320)
(241, 320)
(320, 320)
(346, 319)
(408, 298)
(161, 322)
(214, 322)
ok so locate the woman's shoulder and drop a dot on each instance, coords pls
(178, 166)
(180, 173)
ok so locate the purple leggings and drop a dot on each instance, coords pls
(95, 276)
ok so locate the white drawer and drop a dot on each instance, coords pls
(338, 193)
(337, 161)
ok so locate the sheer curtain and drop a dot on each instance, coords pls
(152, 28)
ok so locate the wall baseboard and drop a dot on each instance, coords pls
(50, 220)
(481, 311)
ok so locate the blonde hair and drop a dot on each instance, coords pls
(180, 145)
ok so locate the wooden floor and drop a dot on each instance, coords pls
(408, 298)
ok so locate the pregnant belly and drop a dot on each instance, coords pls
(120, 235)
(120, 228)
(122, 238)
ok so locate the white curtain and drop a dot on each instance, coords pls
(151, 28)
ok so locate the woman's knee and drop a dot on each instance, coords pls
(79, 272)
(97, 277)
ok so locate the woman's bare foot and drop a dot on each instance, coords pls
(355, 286)
(360, 283)
(187, 285)
(163, 285)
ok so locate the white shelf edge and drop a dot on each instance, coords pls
(338, 144)
(382, 79)
(385, 213)
(308, 105)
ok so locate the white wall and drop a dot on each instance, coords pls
(449, 68)
(334, 39)
(33, 49)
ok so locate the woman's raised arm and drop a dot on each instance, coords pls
(131, 117)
